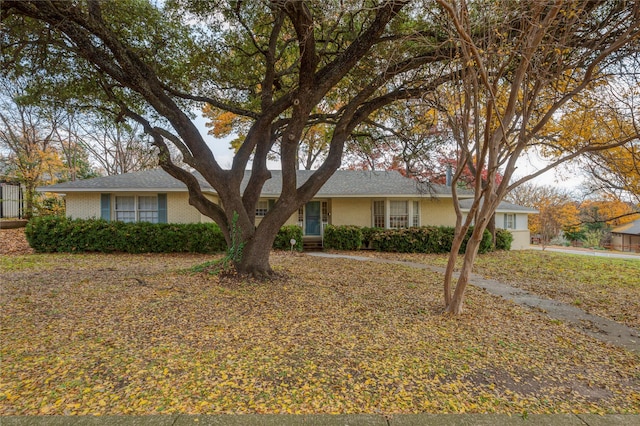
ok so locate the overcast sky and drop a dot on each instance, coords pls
(564, 176)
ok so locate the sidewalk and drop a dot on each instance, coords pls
(331, 420)
(587, 252)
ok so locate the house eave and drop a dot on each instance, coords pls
(110, 190)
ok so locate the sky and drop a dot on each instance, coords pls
(565, 176)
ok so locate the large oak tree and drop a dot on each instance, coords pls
(283, 65)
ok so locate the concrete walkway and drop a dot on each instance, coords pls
(601, 328)
(331, 420)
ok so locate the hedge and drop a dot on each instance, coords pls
(425, 239)
(286, 233)
(48, 234)
(504, 238)
(59, 234)
(345, 237)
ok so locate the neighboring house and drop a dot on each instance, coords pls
(512, 217)
(383, 199)
(626, 237)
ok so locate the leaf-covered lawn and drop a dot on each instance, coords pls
(599, 285)
(602, 286)
(120, 334)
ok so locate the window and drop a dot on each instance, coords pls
(262, 208)
(378, 214)
(509, 221)
(146, 209)
(301, 217)
(126, 208)
(398, 214)
(325, 212)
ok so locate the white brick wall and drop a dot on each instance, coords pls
(83, 205)
(179, 210)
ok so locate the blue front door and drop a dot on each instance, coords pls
(312, 218)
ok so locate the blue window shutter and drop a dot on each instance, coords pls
(162, 208)
(271, 203)
(105, 206)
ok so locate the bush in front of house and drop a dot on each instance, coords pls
(285, 235)
(425, 239)
(59, 234)
(504, 238)
(367, 235)
(343, 237)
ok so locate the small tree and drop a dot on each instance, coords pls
(524, 66)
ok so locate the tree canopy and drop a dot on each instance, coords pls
(499, 73)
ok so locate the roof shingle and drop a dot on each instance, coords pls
(343, 183)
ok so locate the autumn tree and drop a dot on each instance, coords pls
(312, 149)
(616, 172)
(28, 141)
(523, 66)
(402, 137)
(558, 210)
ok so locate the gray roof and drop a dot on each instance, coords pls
(360, 183)
(144, 181)
(632, 228)
(343, 183)
(503, 207)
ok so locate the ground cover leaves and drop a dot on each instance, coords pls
(139, 334)
(602, 286)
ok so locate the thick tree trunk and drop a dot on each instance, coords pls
(254, 260)
(250, 246)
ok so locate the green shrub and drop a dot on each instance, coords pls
(504, 239)
(486, 244)
(425, 239)
(344, 237)
(367, 235)
(285, 234)
(59, 234)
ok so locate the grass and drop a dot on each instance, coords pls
(141, 334)
(602, 286)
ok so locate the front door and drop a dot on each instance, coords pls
(312, 218)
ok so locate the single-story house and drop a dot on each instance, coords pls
(626, 237)
(383, 199)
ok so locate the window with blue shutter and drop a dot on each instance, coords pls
(105, 206)
(162, 208)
